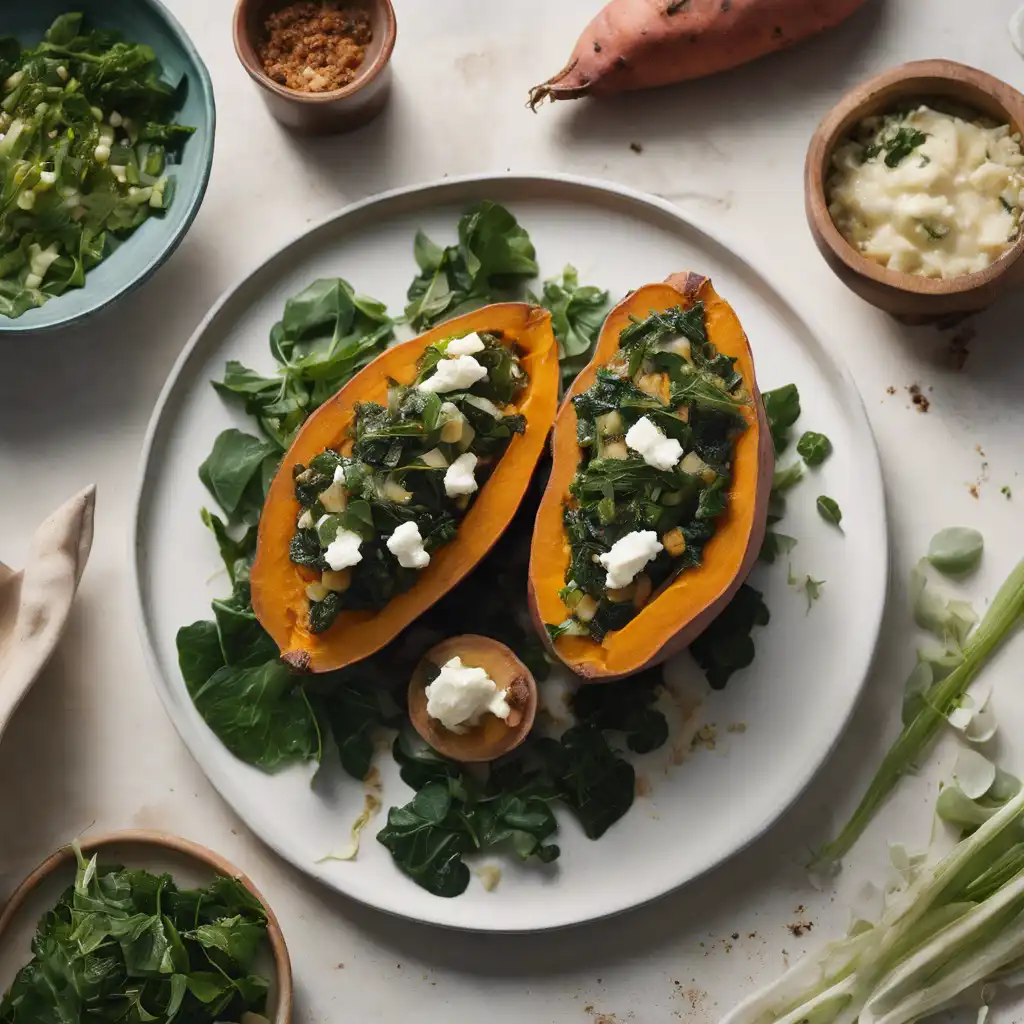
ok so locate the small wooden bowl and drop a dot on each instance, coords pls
(322, 113)
(155, 851)
(492, 737)
(910, 297)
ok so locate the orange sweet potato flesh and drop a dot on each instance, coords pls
(681, 610)
(639, 44)
(279, 586)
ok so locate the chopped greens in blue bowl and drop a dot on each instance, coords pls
(106, 142)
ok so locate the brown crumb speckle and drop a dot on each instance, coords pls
(922, 402)
(636, 147)
(890, 390)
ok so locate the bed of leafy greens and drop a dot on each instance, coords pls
(125, 945)
(87, 132)
(395, 474)
(271, 716)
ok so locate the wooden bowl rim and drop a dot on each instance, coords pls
(186, 847)
(827, 135)
(245, 50)
(435, 738)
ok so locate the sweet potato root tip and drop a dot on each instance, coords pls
(553, 91)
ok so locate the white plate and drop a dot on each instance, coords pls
(793, 702)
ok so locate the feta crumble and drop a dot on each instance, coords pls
(628, 556)
(406, 545)
(458, 477)
(467, 346)
(461, 695)
(344, 551)
(657, 450)
(454, 375)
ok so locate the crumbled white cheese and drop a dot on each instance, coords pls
(949, 206)
(344, 551)
(101, 153)
(461, 695)
(467, 346)
(454, 375)
(458, 477)
(406, 545)
(628, 556)
(650, 442)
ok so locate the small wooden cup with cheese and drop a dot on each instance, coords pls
(472, 699)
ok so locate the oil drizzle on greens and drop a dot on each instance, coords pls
(128, 946)
(668, 371)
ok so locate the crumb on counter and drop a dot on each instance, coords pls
(918, 397)
(315, 46)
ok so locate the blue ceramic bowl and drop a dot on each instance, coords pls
(139, 256)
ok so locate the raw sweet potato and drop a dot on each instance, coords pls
(638, 44)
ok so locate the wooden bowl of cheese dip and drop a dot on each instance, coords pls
(913, 190)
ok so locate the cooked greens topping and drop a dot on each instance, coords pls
(126, 945)
(86, 134)
(375, 509)
(656, 432)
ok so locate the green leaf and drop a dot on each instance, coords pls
(238, 939)
(260, 714)
(813, 448)
(787, 478)
(774, 545)
(199, 653)
(829, 510)
(727, 645)
(782, 407)
(229, 470)
(427, 839)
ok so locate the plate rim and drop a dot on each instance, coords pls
(727, 243)
(12, 328)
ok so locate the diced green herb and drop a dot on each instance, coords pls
(813, 448)
(897, 142)
(829, 510)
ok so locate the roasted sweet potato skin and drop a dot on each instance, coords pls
(640, 44)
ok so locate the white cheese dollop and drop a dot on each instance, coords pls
(406, 545)
(628, 556)
(458, 477)
(645, 438)
(951, 205)
(454, 375)
(467, 346)
(344, 551)
(462, 694)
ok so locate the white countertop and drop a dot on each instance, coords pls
(92, 745)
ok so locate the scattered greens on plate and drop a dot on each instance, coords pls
(123, 945)
(86, 135)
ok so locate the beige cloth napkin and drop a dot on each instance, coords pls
(35, 602)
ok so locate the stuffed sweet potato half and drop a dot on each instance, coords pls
(657, 501)
(397, 487)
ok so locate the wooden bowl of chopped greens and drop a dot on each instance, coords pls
(139, 925)
(106, 144)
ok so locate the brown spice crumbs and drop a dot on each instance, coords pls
(918, 398)
(636, 147)
(315, 46)
(799, 927)
(890, 390)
